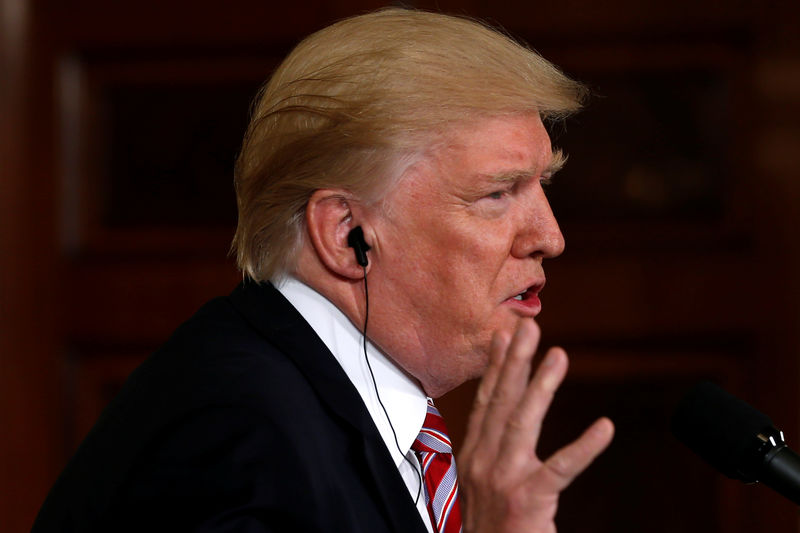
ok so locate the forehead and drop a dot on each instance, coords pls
(526, 129)
(494, 148)
(471, 159)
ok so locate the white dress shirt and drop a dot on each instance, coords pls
(404, 399)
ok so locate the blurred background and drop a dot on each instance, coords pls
(119, 124)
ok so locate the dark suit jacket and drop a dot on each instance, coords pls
(242, 421)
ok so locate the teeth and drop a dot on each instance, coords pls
(518, 296)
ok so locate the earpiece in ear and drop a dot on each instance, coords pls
(355, 240)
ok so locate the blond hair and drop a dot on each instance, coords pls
(355, 100)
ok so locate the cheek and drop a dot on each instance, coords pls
(467, 271)
(482, 254)
(452, 260)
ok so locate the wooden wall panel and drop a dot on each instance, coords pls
(29, 362)
(149, 143)
(96, 377)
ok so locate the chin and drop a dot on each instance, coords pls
(452, 381)
(454, 372)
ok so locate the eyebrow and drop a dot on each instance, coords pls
(557, 162)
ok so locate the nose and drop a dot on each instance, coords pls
(538, 234)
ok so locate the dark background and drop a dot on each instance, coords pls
(119, 123)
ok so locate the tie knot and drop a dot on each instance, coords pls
(433, 435)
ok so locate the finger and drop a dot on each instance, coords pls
(565, 465)
(525, 422)
(511, 383)
(497, 351)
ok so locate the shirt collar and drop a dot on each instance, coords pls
(404, 399)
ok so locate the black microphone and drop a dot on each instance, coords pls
(736, 439)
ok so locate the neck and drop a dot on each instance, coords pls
(346, 294)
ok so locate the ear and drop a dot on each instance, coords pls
(329, 219)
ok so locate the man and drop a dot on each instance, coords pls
(392, 228)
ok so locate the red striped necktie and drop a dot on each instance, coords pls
(435, 454)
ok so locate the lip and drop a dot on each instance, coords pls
(530, 305)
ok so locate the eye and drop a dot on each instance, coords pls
(497, 195)
(501, 194)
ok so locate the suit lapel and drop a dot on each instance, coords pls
(405, 516)
(274, 317)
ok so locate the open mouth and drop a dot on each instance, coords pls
(528, 293)
(527, 302)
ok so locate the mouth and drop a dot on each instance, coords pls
(527, 302)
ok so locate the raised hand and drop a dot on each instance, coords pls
(505, 486)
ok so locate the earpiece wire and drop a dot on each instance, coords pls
(377, 394)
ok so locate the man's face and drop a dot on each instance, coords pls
(459, 247)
